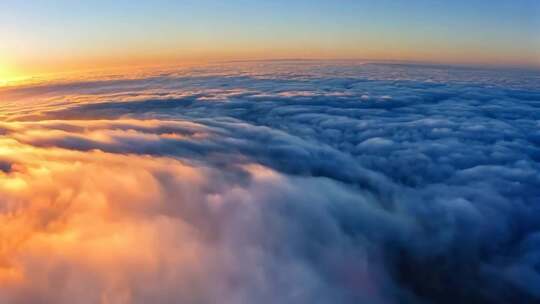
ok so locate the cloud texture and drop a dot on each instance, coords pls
(293, 182)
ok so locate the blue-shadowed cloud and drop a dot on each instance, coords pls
(274, 183)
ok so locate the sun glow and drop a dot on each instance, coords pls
(3, 80)
(5, 75)
(10, 74)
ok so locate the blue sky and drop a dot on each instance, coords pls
(44, 33)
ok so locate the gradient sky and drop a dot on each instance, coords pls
(51, 36)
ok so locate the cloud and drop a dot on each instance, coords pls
(281, 184)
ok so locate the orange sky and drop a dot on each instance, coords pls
(38, 37)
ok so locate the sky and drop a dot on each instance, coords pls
(56, 36)
(226, 175)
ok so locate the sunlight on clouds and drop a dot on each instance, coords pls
(98, 219)
(115, 222)
(271, 183)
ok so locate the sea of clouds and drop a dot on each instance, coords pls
(272, 182)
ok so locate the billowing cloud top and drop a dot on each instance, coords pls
(287, 182)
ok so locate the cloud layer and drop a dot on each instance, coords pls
(273, 183)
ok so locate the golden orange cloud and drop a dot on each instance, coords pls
(101, 220)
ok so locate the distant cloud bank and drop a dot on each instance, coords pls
(273, 183)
